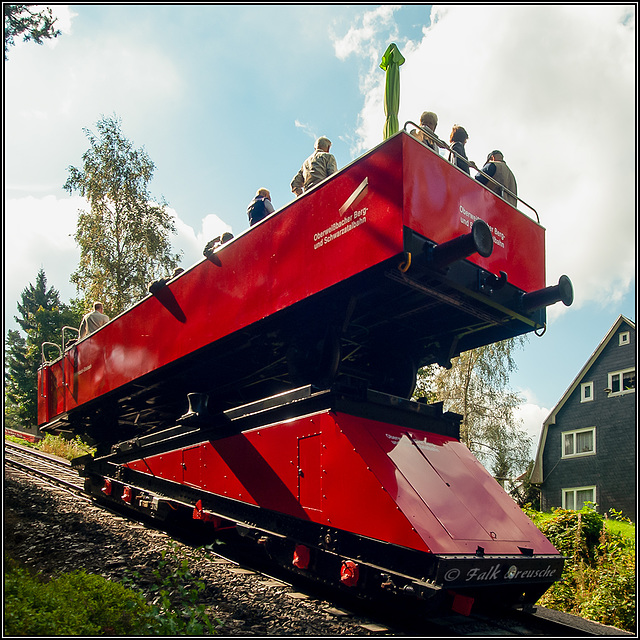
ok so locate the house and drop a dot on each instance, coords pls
(587, 448)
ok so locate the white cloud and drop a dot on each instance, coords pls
(41, 234)
(359, 39)
(192, 242)
(306, 129)
(50, 98)
(532, 416)
(63, 15)
(553, 87)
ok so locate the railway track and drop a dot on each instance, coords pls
(374, 618)
(48, 468)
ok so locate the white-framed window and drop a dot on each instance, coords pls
(576, 497)
(621, 382)
(581, 442)
(586, 392)
(624, 338)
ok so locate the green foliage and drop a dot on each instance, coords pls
(35, 25)
(42, 314)
(175, 608)
(617, 523)
(80, 603)
(124, 237)
(426, 384)
(20, 382)
(41, 317)
(476, 387)
(17, 440)
(598, 582)
(75, 603)
(574, 533)
(68, 448)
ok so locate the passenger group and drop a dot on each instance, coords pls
(495, 173)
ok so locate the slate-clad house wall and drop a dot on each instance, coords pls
(587, 448)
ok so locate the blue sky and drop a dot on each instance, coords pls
(226, 99)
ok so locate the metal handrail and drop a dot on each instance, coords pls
(66, 345)
(443, 145)
(61, 349)
(52, 344)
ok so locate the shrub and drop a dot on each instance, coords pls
(75, 603)
(575, 534)
(64, 447)
(80, 603)
(598, 581)
(175, 608)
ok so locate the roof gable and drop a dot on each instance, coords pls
(536, 473)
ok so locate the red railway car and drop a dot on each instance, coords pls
(396, 261)
(265, 389)
(368, 492)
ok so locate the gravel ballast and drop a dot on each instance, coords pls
(52, 531)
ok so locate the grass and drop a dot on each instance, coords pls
(82, 604)
(56, 445)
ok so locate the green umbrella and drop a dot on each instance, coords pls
(391, 61)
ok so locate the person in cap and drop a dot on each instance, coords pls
(260, 207)
(318, 166)
(497, 168)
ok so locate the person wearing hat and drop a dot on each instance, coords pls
(497, 168)
(318, 166)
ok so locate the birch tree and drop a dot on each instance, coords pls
(477, 387)
(124, 237)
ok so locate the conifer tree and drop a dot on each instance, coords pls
(23, 20)
(19, 383)
(42, 317)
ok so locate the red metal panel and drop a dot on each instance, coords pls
(56, 397)
(260, 467)
(192, 466)
(310, 245)
(451, 499)
(354, 498)
(425, 483)
(463, 501)
(419, 490)
(352, 222)
(441, 203)
(44, 414)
